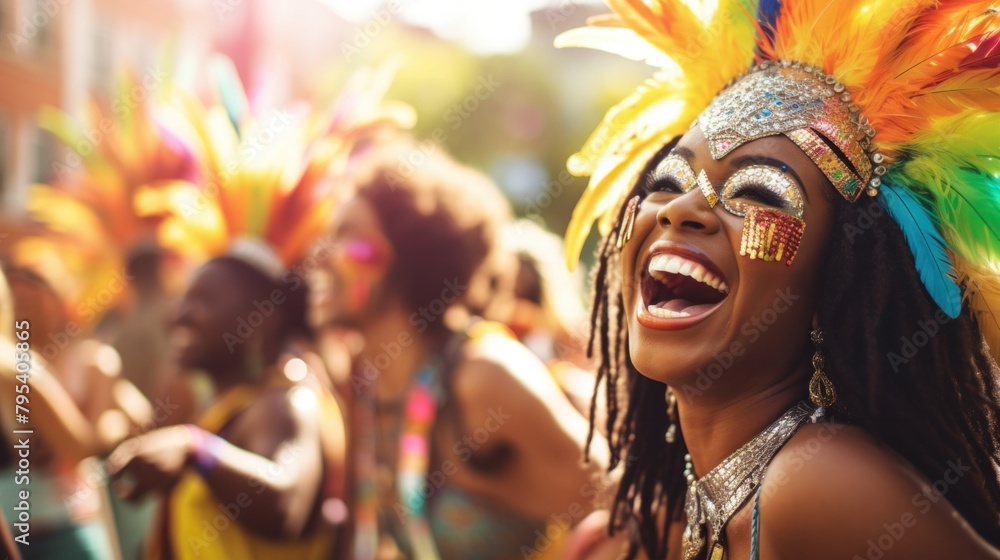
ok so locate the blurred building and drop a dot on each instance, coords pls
(58, 52)
(547, 100)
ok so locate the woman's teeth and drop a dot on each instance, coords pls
(674, 264)
(666, 313)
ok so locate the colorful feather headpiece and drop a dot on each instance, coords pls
(896, 99)
(82, 225)
(267, 189)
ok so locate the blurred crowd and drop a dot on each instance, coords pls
(304, 334)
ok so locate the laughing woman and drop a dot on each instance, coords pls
(797, 287)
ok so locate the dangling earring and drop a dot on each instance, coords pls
(255, 359)
(822, 393)
(671, 399)
(628, 222)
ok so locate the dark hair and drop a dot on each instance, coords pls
(942, 406)
(45, 321)
(257, 286)
(442, 219)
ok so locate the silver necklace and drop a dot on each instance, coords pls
(715, 497)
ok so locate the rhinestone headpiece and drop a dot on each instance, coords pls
(809, 107)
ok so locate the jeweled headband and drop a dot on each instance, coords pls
(809, 107)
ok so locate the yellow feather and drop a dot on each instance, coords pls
(982, 294)
(699, 52)
(615, 40)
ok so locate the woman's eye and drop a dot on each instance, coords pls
(672, 175)
(759, 194)
(662, 184)
(762, 186)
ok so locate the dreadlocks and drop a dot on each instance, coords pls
(938, 405)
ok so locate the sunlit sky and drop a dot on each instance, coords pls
(483, 26)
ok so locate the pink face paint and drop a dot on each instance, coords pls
(360, 263)
(361, 252)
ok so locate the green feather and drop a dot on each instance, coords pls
(970, 209)
(957, 172)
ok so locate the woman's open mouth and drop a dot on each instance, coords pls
(679, 287)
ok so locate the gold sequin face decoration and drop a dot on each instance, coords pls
(677, 169)
(758, 185)
(707, 189)
(628, 222)
(771, 235)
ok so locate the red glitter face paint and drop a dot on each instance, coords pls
(771, 235)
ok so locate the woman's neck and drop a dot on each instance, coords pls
(225, 379)
(714, 430)
(394, 351)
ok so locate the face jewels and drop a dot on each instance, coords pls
(628, 222)
(740, 187)
(678, 169)
(809, 107)
(707, 189)
(771, 235)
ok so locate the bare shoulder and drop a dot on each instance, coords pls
(495, 367)
(499, 378)
(278, 415)
(834, 492)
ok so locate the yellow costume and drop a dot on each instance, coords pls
(194, 524)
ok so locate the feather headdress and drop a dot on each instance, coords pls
(266, 194)
(82, 225)
(916, 85)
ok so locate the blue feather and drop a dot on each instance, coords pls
(767, 15)
(231, 94)
(928, 246)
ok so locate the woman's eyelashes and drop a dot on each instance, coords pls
(758, 193)
(673, 175)
(762, 185)
(654, 184)
(757, 185)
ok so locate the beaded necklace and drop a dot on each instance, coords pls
(423, 401)
(715, 497)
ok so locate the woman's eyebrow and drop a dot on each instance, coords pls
(746, 160)
(683, 152)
